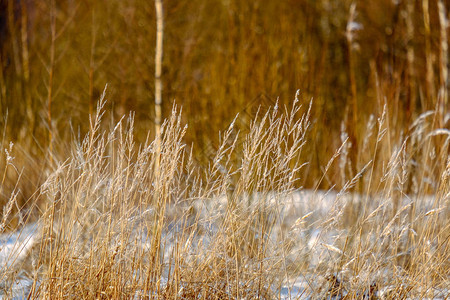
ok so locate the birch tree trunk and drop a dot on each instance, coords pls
(158, 67)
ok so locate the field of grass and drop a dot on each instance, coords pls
(109, 226)
(254, 190)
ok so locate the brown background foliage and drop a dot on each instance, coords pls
(221, 57)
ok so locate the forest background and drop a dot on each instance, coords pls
(221, 58)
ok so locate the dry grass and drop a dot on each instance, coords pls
(346, 196)
(220, 56)
(108, 228)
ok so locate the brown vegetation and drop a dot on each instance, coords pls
(213, 221)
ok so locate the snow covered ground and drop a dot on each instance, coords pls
(301, 212)
(14, 247)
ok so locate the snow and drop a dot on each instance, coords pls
(302, 212)
(14, 248)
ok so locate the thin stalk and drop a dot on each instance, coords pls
(353, 108)
(50, 78)
(158, 82)
(410, 57)
(92, 65)
(429, 74)
(443, 57)
(26, 65)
